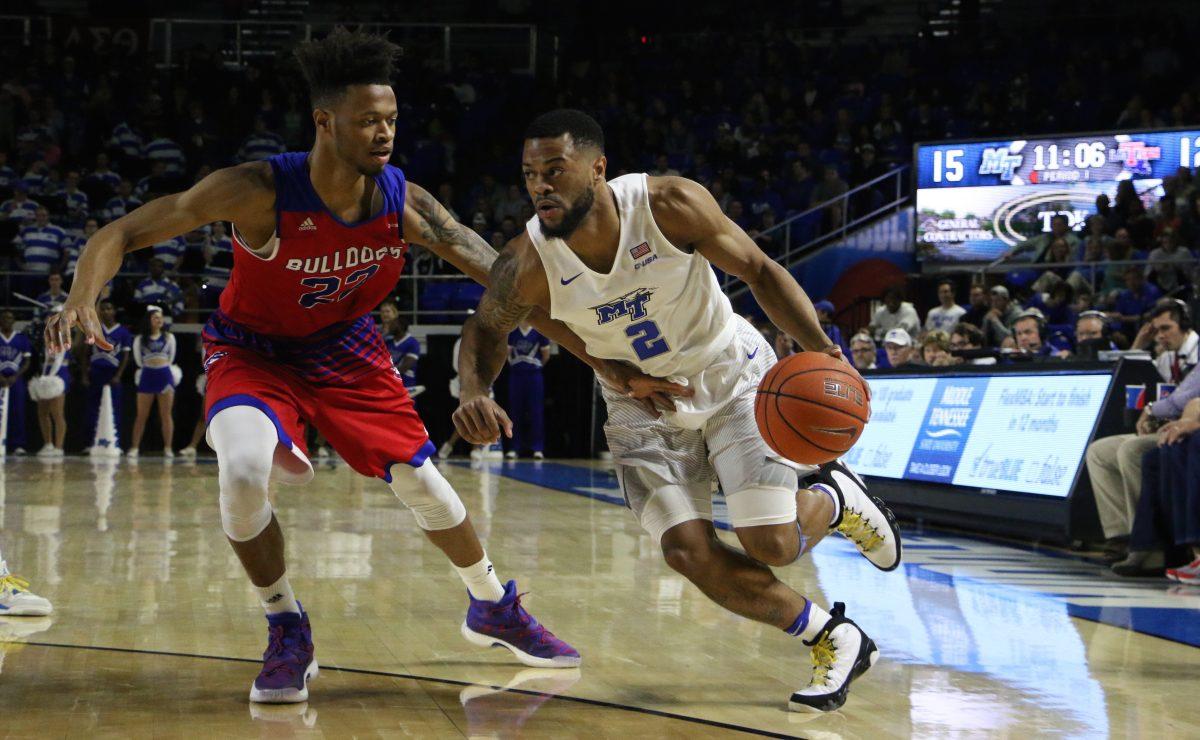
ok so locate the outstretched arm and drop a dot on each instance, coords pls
(231, 194)
(428, 223)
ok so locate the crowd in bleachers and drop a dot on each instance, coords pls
(1112, 277)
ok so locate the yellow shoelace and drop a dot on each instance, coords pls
(860, 531)
(822, 660)
(13, 583)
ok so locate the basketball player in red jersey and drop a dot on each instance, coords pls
(320, 239)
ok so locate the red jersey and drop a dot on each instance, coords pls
(306, 299)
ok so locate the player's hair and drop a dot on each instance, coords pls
(582, 128)
(345, 58)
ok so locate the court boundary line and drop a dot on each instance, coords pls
(1025, 547)
(432, 679)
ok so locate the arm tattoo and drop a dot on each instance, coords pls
(501, 309)
(458, 244)
(485, 333)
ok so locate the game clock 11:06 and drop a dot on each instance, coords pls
(975, 200)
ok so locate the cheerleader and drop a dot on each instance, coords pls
(50, 391)
(106, 367)
(157, 376)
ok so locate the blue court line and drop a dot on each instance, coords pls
(1176, 625)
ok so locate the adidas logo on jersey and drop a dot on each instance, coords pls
(308, 225)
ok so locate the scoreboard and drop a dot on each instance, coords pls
(974, 200)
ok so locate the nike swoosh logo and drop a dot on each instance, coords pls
(753, 354)
(568, 281)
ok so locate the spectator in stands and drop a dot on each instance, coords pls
(75, 244)
(831, 186)
(102, 178)
(894, 313)
(20, 208)
(42, 244)
(128, 141)
(121, 203)
(1091, 336)
(528, 353)
(54, 297)
(1032, 249)
(1115, 463)
(404, 348)
(1132, 303)
(16, 353)
(969, 337)
(159, 182)
(898, 345)
(75, 202)
(218, 261)
(825, 312)
(8, 176)
(1167, 518)
(863, 351)
(1058, 253)
(159, 290)
(945, 315)
(164, 149)
(1028, 330)
(261, 143)
(1170, 262)
(978, 305)
(170, 252)
(997, 323)
(935, 349)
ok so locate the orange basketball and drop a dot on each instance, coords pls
(811, 408)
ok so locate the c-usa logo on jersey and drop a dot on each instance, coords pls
(632, 305)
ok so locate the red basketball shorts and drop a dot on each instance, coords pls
(371, 421)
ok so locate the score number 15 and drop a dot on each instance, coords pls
(950, 166)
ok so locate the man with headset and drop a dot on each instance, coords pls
(1115, 463)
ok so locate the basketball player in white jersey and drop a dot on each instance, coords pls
(627, 264)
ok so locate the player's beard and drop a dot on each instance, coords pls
(571, 217)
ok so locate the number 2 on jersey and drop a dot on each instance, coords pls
(647, 339)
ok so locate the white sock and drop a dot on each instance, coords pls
(481, 580)
(278, 597)
(814, 618)
(833, 498)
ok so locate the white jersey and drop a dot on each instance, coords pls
(658, 307)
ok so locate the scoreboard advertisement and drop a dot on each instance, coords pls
(975, 200)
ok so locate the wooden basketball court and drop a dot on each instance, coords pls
(156, 632)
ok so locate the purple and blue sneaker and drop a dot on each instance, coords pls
(505, 623)
(288, 662)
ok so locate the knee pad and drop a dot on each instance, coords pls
(244, 440)
(761, 505)
(431, 498)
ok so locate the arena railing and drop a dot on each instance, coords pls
(833, 220)
(500, 45)
(1087, 270)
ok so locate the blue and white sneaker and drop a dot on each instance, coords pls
(16, 600)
